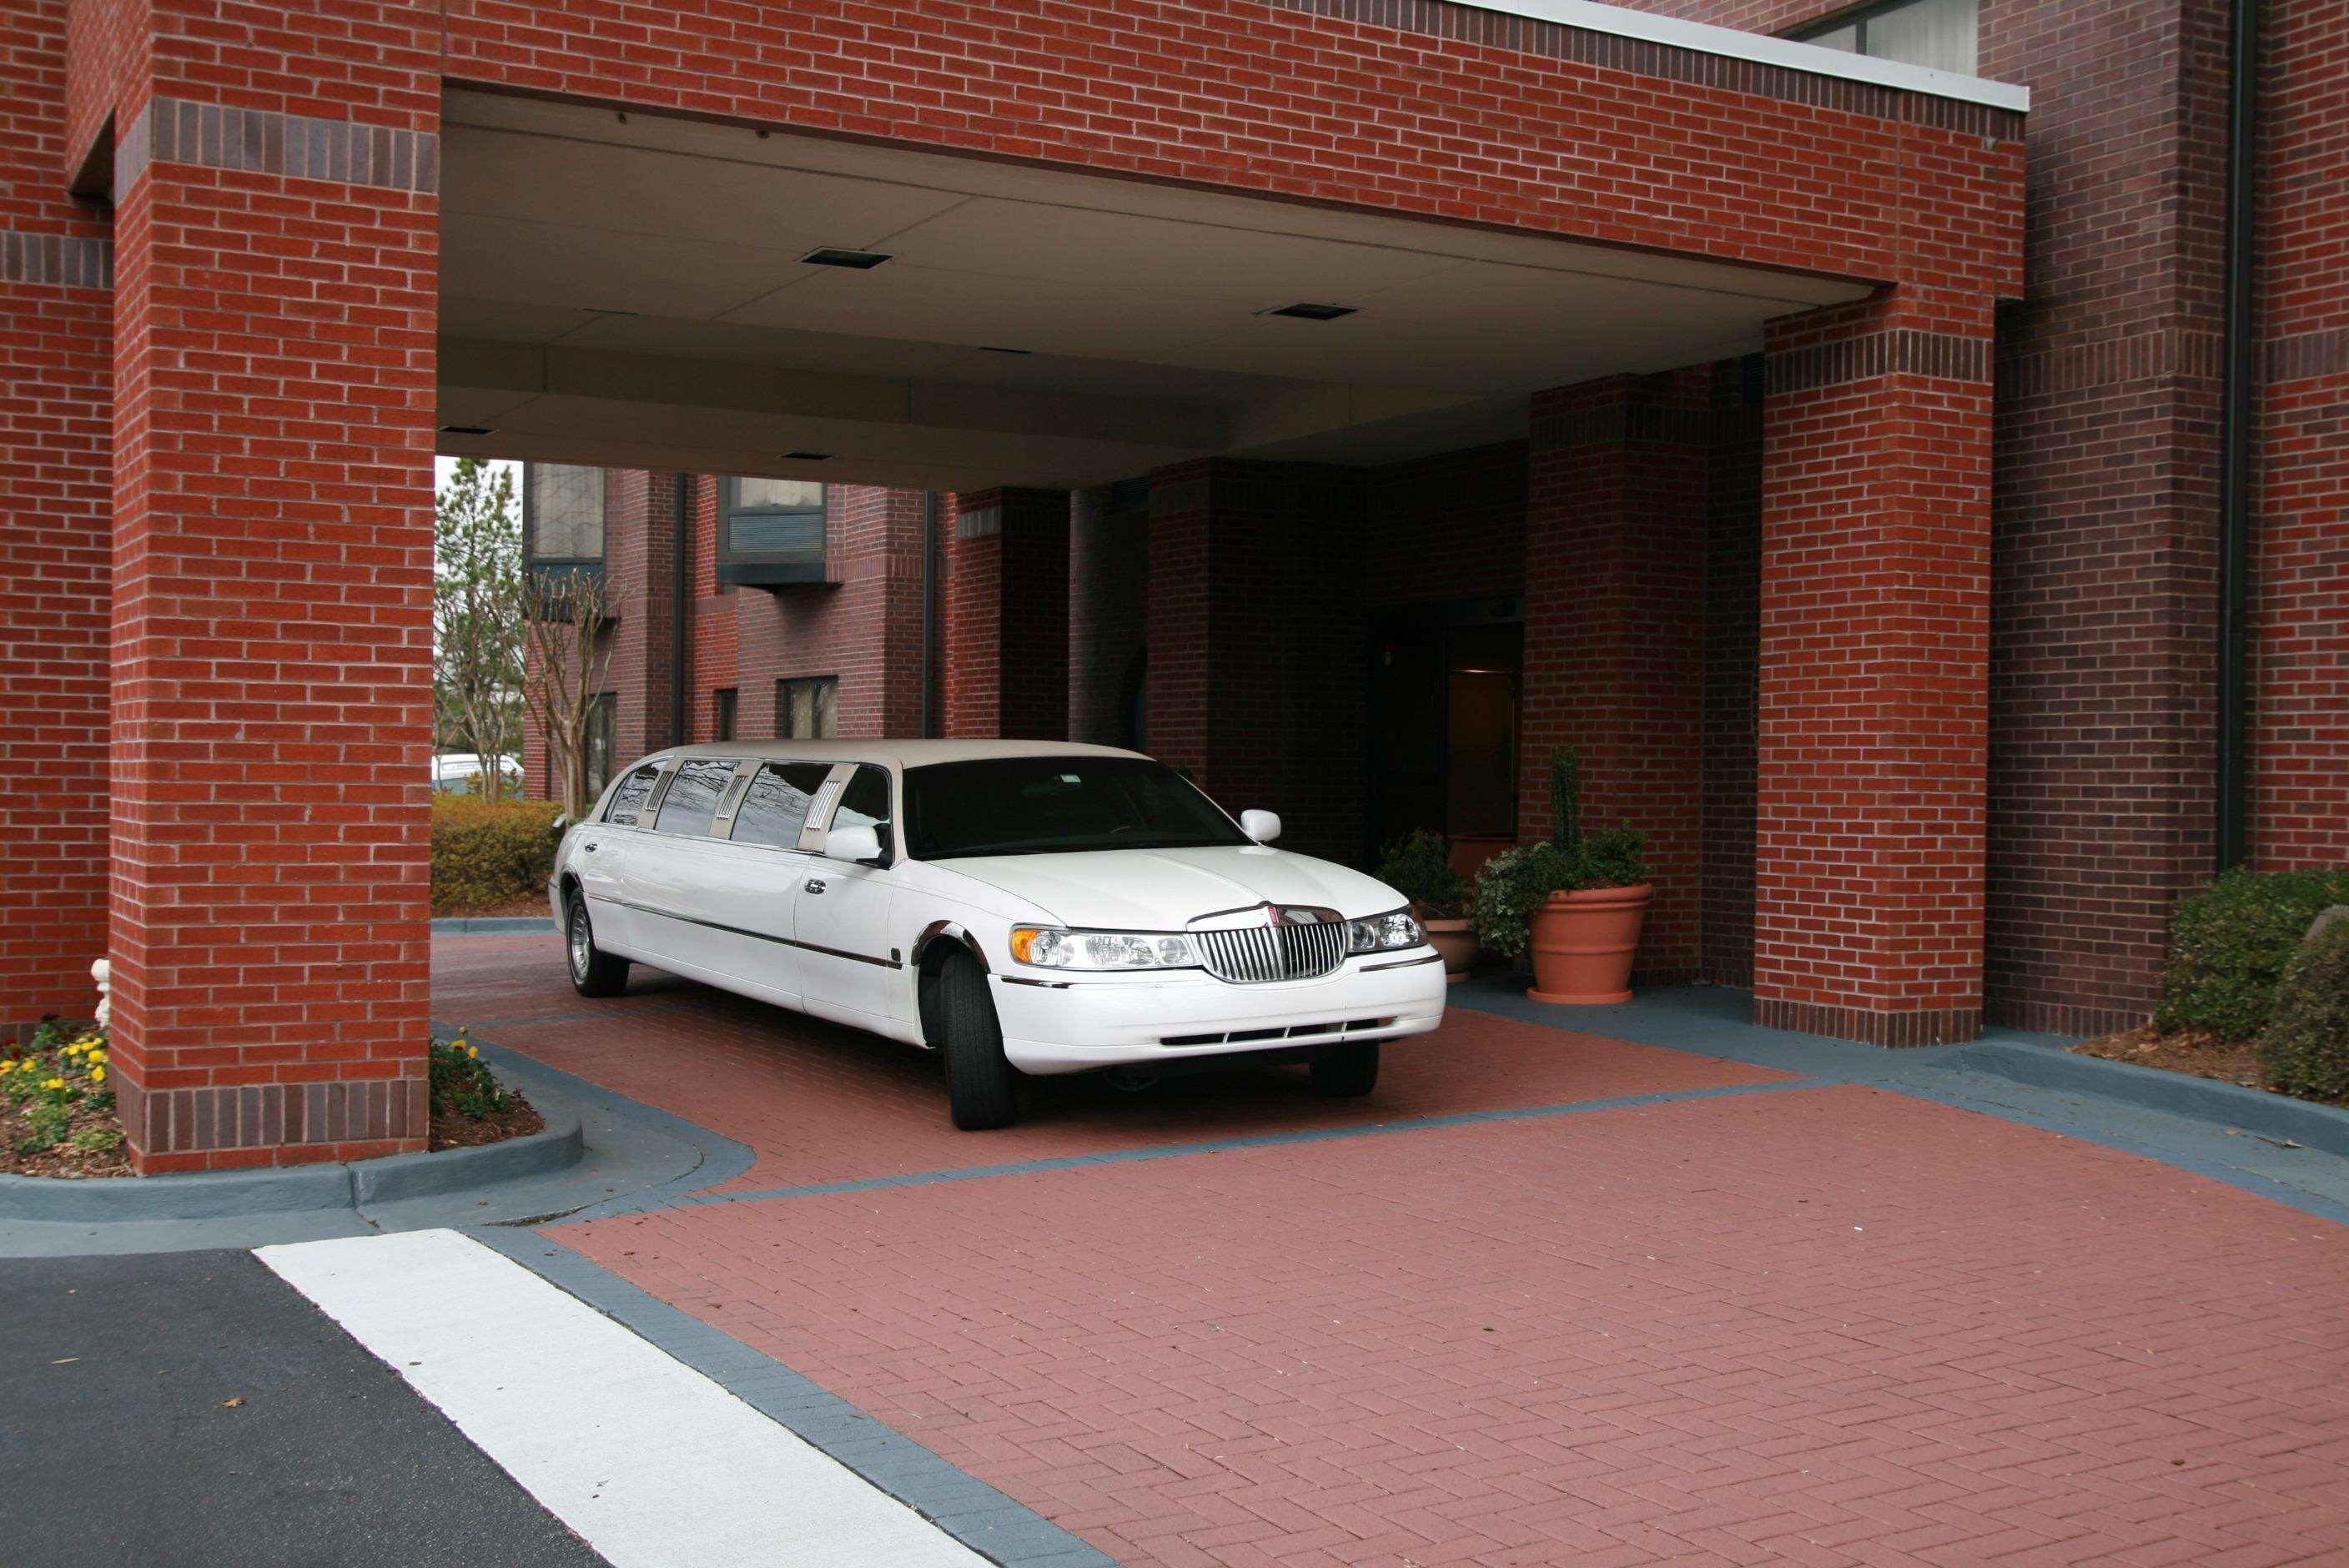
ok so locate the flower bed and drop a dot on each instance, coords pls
(57, 1116)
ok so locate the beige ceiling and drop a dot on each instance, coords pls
(630, 292)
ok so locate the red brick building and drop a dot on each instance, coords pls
(1352, 400)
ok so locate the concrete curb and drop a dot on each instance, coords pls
(290, 1189)
(492, 925)
(2254, 1110)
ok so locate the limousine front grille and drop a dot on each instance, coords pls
(1259, 955)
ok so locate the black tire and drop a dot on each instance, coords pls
(1349, 1072)
(978, 1079)
(593, 971)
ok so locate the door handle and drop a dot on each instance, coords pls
(815, 885)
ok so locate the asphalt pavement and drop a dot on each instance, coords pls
(192, 1407)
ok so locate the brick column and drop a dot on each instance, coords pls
(55, 269)
(640, 537)
(273, 536)
(1873, 673)
(1109, 586)
(1005, 621)
(1615, 553)
(1255, 635)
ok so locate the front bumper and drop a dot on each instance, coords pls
(1120, 1020)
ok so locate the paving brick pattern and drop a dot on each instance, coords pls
(822, 1103)
(1830, 1326)
(1825, 1325)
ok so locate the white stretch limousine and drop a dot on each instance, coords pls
(1018, 905)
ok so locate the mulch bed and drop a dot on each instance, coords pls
(2186, 1052)
(63, 1159)
(517, 1119)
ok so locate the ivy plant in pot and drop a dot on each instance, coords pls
(1419, 867)
(1575, 901)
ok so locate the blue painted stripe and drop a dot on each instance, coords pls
(649, 1203)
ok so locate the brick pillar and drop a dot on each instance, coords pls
(55, 269)
(640, 537)
(1873, 673)
(1109, 582)
(1006, 624)
(1255, 630)
(1732, 610)
(1615, 552)
(274, 319)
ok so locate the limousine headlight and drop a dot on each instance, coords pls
(1384, 932)
(1049, 947)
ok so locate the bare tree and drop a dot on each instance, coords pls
(478, 617)
(568, 658)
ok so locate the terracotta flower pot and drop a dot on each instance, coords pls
(1457, 943)
(1583, 943)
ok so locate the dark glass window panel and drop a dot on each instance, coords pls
(776, 807)
(691, 803)
(630, 797)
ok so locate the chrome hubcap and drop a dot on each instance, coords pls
(580, 944)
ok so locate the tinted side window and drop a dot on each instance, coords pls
(630, 797)
(693, 795)
(865, 803)
(777, 806)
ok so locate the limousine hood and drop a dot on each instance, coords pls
(1161, 890)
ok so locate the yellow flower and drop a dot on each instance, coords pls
(473, 1052)
(54, 1083)
(98, 1058)
(97, 1074)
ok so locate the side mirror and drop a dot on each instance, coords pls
(860, 844)
(1262, 825)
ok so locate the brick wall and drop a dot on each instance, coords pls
(275, 229)
(1452, 526)
(56, 368)
(1874, 623)
(1109, 580)
(2300, 610)
(1256, 633)
(1006, 616)
(1732, 609)
(1615, 538)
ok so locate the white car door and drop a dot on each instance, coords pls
(601, 862)
(841, 925)
(670, 867)
(756, 874)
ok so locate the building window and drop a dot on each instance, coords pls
(1937, 34)
(770, 531)
(561, 515)
(603, 724)
(724, 700)
(808, 709)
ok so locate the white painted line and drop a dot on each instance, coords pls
(650, 1461)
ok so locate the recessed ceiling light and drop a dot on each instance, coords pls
(1308, 311)
(833, 256)
(807, 456)
(468, 430)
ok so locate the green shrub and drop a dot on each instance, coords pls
(461, 1082)
(485, 854)
(1419, 867)
(2305, 1048)
(2229, 945)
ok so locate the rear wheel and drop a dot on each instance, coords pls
(1348, 1072)
(593, 971)
(978, 1078)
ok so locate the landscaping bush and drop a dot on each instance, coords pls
(2306, 1047)
(490, 855)
(2229, 945)
(1418, 867)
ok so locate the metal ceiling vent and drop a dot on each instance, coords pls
(1305, 310)
(808, 456)
(833, 256)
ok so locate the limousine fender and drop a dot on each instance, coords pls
(927, 950)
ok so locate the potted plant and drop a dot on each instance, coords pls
(1419, 867)
(1575, 901)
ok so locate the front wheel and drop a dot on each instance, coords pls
(978, 1078)
(593, 971)
(1349, 1072)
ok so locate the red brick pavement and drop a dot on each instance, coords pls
(1830, 1326)
(821, 1103)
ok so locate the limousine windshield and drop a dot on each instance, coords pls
(1057, 804)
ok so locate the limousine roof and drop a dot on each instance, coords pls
(898, 754)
